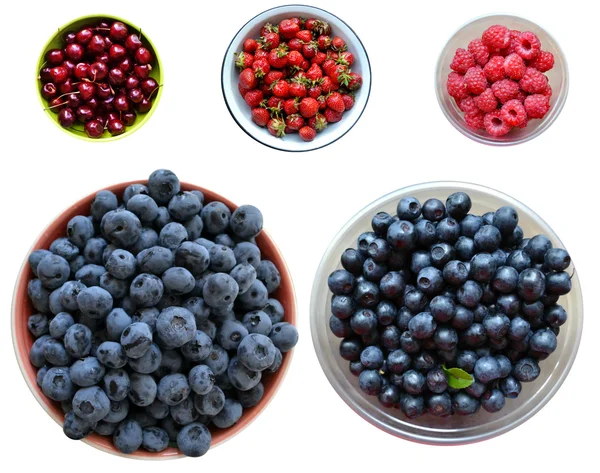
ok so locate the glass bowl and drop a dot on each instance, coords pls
(22, 338)
(558, 78)
(241, 112)
(453, 430)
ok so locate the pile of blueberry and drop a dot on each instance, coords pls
(442, 311)
(156, 317)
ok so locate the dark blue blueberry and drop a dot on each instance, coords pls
(64, 248)
(455, 273)
(531, 285)
(284, 335)
(381, 222)
(386, 313)
(508, 304)
(404, 316)
(148, 362)
(447, 230)
(78, 340)
(434, 210)
(519, 260)
(458, 205)
(342, 306)
(246, 252)
(487, 369)
(37, 325)
(136, 339)
(90, 274)
(470, 225)
(420, 259)
(466, 359)
(257, 352)
(269, 275)
(554, 316)
(379, 250)
(412, 406)
(519, 328)
(172, 235)
(505, 219)
(216, 217)
(173, 389)
(488, 238)
(95, 302)
(144, 207)
(436, 381)
(515, 239)
(241, 377)
(537, 248)
(492, 400)
(128, 437)
(178, 281)
(341, 282)
(121, 227)
(350, 349)
(474, 336)
(116, 321)
(464, 248)
(103, 202)
(116, 384)
(93, 251)
(480, 312)
(422, 326)
(505, 280)
(389, 337)
(77, 428)
(118, 412)
(425, 231)
(413, 382)
(147, 315)
(543, 340)
(222, 258)
(483, 267)
(91, 404)
(154, 439)
(133, 190)
(557, 259)
(183, 206)
(392, 285)
(60, 324)
(246, 221)
(364, 240)
(442, 308)
(414, 299)
(158, 409)
(339, 327)
(146, 290)
(370, 382)
(117, 288)
(496, 325)
(505, 365)
(441, 254)
(352, 261)
(463, 404)
(373, 271)
(402, 235)
(511, 387)
(356, 368)
(439, 405)
(104, 428)
(201, 379)
(34, 259)
(398, 361)
(225, 240)
(500, 256)
(409, 209)
(163, 185)
(430, 281)
(87, 372)
(57, 384)
(372, 358)
(409, 344)
(155, 260)
(121, 264)
(175, 326)
(229, 415)
(469, 294)
(558, 284)
(389, 396)
(211, 403)
(220, 290)
(445, 338)
(53, 271)
(366, 294)
(111, 354)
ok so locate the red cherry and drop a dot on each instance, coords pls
(118, 31)
(135, 95)
(59, 74)
(97, 45)
(94, 128)
(66, 87)
(103, 90)
(144, 106)
(125, 65)
(66, 118)
(92, 103)
(86, 90)
(142, 70)
(56, 104)
(116, 127)
(148, 86)
(98, 71)
(85, 113)
(45, 75)
(74, 52)
(128, 118)
(74, 101)
(70, 37)
(108, 104)
(103, 58)
(49, 91)
(84, 36)
(132, 43)
(143, 56)
(55, 57)
(70, 65)
(116, 76)
(117, 53)
(81, 70)
(132, 82)
(122, 103)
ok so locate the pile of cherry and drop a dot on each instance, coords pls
(99, 79)
(296, 77)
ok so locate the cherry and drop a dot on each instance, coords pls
(66, 118)
(45, 75)
(81, 70)
(122, 103)
(132, 43)
(135, 95)
(74, 52)
(97, 45)
(94, 128)
(149, 85)
(92, 103)
(103, 90)
(55, 57)
(74, 101)
(116, 77)
(132, 82)
(98, 71)
(103, 25)
(142, 70)
(59, 74)
(107, 105)
(109, 42)
(116, 127)
(128, 118)
(143, 56)
(86, 90)
(112, 116)
(84, 36)
(125, 65)
(118, 31)
(49, 91)
(117, 53)
(70, 65)
(66, 87)
(144, 106)
(56, 104)
(85, 113)
(103, 58)
(70, 37)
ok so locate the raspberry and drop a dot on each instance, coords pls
(475, 80)
(467, 105)
(533, 81)
(494, 124)
(462, 61)
(527, 45)
(548, 91)
(514, 34)
(494, 69)
(505, 90)
(480, 52)
(521, 96)
(514, 66)
(496, 37)
(543, 62)
(513, 112)
(487, 101)
(475, 121)
(537, 105)
(457, 86)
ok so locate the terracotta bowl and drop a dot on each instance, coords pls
(22, 339)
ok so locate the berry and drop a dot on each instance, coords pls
(533, 81)
(527, 45)
(495, 124)
(260, 116)
(537, 105)
(463, 60)
(307, 133)
(494, 69)
(514, 66)
(543, 62)
(505, 90)
(513, 113)
(480, 51)
(496, 37)
(336, 102)
(475, 80)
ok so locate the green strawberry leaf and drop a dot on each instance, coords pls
(457, 378)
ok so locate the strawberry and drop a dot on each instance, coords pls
(242, 90)
(348, 101)
(278, 58)
(332, 116)
(333, 55)
(319, 58)
(261, 67)
(269, 41)
(328, 85)
(307, 133)
(260, 116)
(294, 122)
(260, 53)
(266, 90)
(336, 102)
(322, 102)
(250, 45)
(297, 21)
(308, 107)
(315, 90)
(324, 42)
(318, 26)
(310, 50)
(339, 75)
(309, 24)
(318, 122)
(291, 106)
(295, 44)
(305, 36)
(328, 65)
(276, 127)
(272, 76)
(345, 58)
(248, 79)
(268, 28)
(297, 89)
(314, 73)
(288, 28)
(355, 81)
(295, 58)
(338, 44)
(244, 60)
(305, 65)
(254, 97)
(280, 89)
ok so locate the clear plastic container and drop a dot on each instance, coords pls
(558, 78)
(454, 430)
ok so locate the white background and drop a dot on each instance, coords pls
(402, 139)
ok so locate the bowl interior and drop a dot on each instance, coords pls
(57, 42)
(22, 338)
(240, 110)
(430, 429)
(558, 78)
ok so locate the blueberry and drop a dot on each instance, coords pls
(241, 377)
(381, 222)
(364, 241)
(172, 235)
(487, 369)
(537, 248)
(555, 316)
(493, 400)
(496, 325)
(350, 349)
(430, 281)
(184, 413)
(118, 411)
(392, 285)
(505, 365)
(434, 210)
(155, 260)
(386, 313)
(442, 308)
(508, 304)
(464, 248)
(247, 253)
(379, 250)
(90, 274)
(531, 285)
(363, 321)
(78, 340)
(505, 219)
(201, 379)
(216, 217)
(466, 360)
(268, 273)
(404, 316)
(94, 250)
(121, 227)
(510, 386)
(441, 254)
(154, 439)
(439, 405)
(91, 404)
(372, 358)
(557, 259)
(57, 384)
(211, 403)
(121, 264)
(220, 290)
(447, 230)
(408, 208)
(95, 302)
(284, 336)
(455, 273)
(356, 368)
(104, 428)
(184, 205)
(53, 271)
(373, 271)
(409, 344)
(132, 190)
(519, 328)
(158, 409)
(470, 225)
(246, 221)
(64, 248)
(389, 396)
(414, 299)
(136, 339)
(488, 238)
(229, 415)
(402, 235)
(117, 288)
(413, 382)
(217, 360)
(445, 338)
(436, 380)
(77, 428)
(398, 361)
(458, 205)
(352, 261)
(37, 324)
(111, 354)
(475, 335)
(366, 294)
(370, 382)
(144, 207)
(36, 353)
(198, 348)
(558, 284)
(469, 294)
(116, 321)
(425, 231)
(149, 362)
(483, 267)
(519, 260)
(103, 202)
(146, 290)
(163, 185)
(543, 340)
(463, 404)
(341, 282)
(505, 279)
(128, 437)
(87, 372)
(116, 384)
(412, 406)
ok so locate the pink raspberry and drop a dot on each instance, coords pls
(548, 91)
(496, 37)
(524, 124)
(533, 81)
(494, 69)
(505, 90)
(456, 86)
(475, 80)
(514, 35)
(487, 101)
(521, 96)
(527, 45)
(543, 62)
(480, 52)
(467, 105)
(514, 66)
(475, 121)
(462, 61)
(513, 112)
(495, 124)
(537, 105)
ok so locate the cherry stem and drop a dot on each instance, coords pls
(57, 105)
(149, 96)
(101, 29)
(68, 93)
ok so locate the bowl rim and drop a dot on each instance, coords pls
(265, 142)
(291, 316)
(83, 136)
(546, 123)
(317, 318)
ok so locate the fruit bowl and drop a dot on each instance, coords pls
(56, 41)
(558, 78)
(241, 112)
(23, 340)
(452, 430)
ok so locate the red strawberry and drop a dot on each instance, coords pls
(288, 28)
(294, 122)
(355, 81)
(310, 50)
(250, 45)
(260, 116)
(269, 41)
(336, 102)
(266, 90)
(328, 65)
(260, 53)
(328, 85)
(333, 55)
(307, 133)
(309, 24)
(242, 90)
(340, 76)
(345, 58)
(278, 58)
(261, 67)
(244, 60)
(295, 58)
(308, 107)
(348, 101)
(324, 42)
(315, 90)
(314, 73)
(332, 116)
(295, 44)
(318, 122)
(248, 79)
(276, 127)
(305, 65)
(318, 26)
(322, 102)
(254, 97)
(280, 89)
(290, 106)
(268, 28)
(275, 103)
(297, 89)
(319, 58)
(297, 21)
(338, 44)
(305, 36)
(272, 76)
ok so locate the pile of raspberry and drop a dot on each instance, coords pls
(499, 81)
(296, 77)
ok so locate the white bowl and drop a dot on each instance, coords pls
(241, 112)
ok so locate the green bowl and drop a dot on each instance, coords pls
(56, 41)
